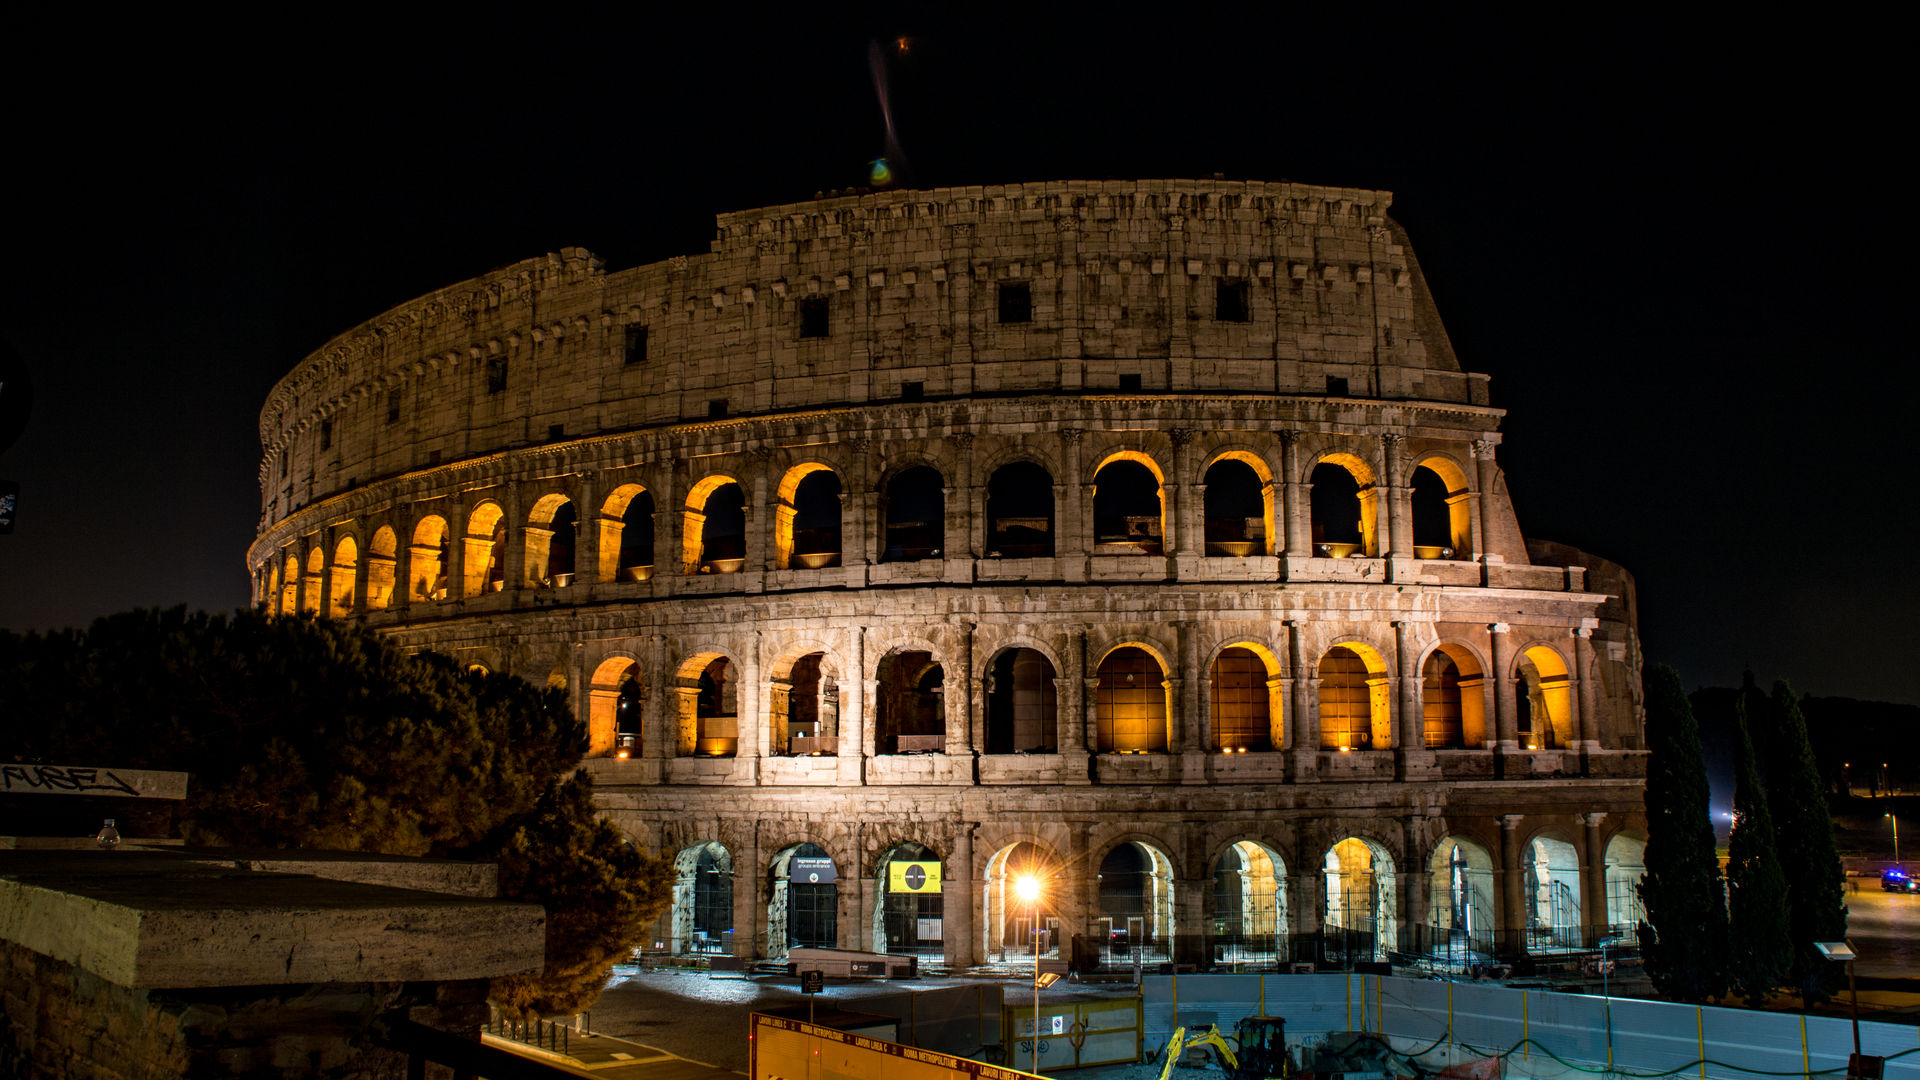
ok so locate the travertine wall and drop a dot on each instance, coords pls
(416, 468)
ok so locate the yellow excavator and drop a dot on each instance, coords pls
(1260, 1053)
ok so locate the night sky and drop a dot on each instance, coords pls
(1680, 250)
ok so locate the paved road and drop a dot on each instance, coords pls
(1885, 928)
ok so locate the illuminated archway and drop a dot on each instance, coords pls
(382, 564)
(1020, 512)
(616, 700)
(550, 542)
(803, 706)
(1344, 507)
(910, 709)
(626, 535)
(915, 516)
(1131, 706)
(1245, 699)
(803, 900)
(340, 578)
(1626, 864)
(290, 585)
(1543, 700)
(310, 581)
(714, 540)
(703, 899)
(1452, 699)
(1022, 703)
(1353, 699)
(1239, 508)
(1129, 515)
(1441, 511)
(707, 703)
(1250, 900)
(1460, 892)
(806, 519)
(1551, 895)
(1361, 898)
(427, 559)
(1007, 922)
(270, 596)
(482, 547)
(1135, 899)
(907, 908)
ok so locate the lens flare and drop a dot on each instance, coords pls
(879, 173)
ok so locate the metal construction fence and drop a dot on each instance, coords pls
(1540, 1033)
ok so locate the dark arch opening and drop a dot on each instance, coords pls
(1432, 517)
(1126, 510)
(1020, 512)
(1022, 704)
(560, 546)
(916, 516)
(1336, 506)
(636, 537)
(724, 535)
(910, 715)
(1236, 510)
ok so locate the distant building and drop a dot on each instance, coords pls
(1146, 534)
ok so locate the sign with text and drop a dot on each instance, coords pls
(913, 877)
(810, 870)
(91, 780)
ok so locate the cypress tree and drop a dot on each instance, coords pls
(1803, 832)
(1684, 938)
(1759, 951)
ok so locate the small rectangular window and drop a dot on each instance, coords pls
(1230, 302)
(393, 406)
(717, 409)
(1336, 386)
(636, 347)
(496, 374)
(433, 457)
(1016, 302)
(326, 434)
(556, 432)
(813, 317)
(912, 391)
(1130, 382)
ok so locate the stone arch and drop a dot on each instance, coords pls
(714, 538)
(707, 694)
(382, 564)
(909, 708)
(1134, 897)
(803, 899)
(270, 595)
(702, 913)
(341, 576)
(616, 707)
(913, 511)
(551, 538)
(1250, 900)
(1020, 511)
(1441, 509)
(1543, 698)
(1245, 699)
(1362, 898)
(806, 518)
(1129, 505)
(1626, 864)
(803, 701)
(899, 913)
(484, 549)
(1132, 703)
(1460, 914)
(1006, 921)
(290, 583)
(626, 534)
(1022, 702)
(1238, 506)
(310, 591)
(1550, 892)
(1354, 713)
(1453, 704)
(427, 565)
(1344, 506)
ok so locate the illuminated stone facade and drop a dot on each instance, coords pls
(1148, 534)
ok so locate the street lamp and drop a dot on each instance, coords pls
(1028, 889)
(1896, 838)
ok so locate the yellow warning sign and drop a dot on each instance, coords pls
(913, 877)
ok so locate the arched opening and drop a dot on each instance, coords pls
(1543, 700)
(1353, 700)
(1134, 909)
(1130, 706)
(551, 532)
(1239, 507)
(616, 703)
(1250, 903)
(1020, 512)
(909, 711)
(483, 547)
(382, 561)
(1361, 899)
(1453, 710)
(915, 516)
(310, 581)
(1552, 896)
(804, 706)
(1009, 923)
(709, 712)
(907, 911)
(715, 538)
(346, 565)
(427, 559)
(1127, 514)
(806, 523)
(626, 534)
(289, 577)
(1022, 704)
(1441, 511)
(1344, 508)
(703, 899)
(271, 599)
(803, 900)
(1626, 865)
(1243, 689)
(1460, 895)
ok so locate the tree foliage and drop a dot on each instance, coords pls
(1803, 828)
(1759, 952)
(1684, 939)
(310, 733)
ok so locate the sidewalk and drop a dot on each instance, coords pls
(607, 1058)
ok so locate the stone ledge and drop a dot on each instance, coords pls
(149, 920)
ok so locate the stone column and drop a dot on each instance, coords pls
(1072, 535)
(1399, 518)
(586, 530)
(749, 905)
(1068, 226)
(854, 730)
(759, 551)
(1505, 710)
(958, 939)
(1486, 473)
(532, 552)
(1078, 886)
(1179, 344)
(860, 529)
(1295, 509)
(959, 694)
(960, 314)
(1583, 691)
(1306, 713)
(402, 596)
(1513, 915)
(1190, 927)
(1074, 710)
(1593, 880)
(1414, 896)
(454, 566)
(964, 529)
(1409, 729)
(513, 561)
(1185, 515)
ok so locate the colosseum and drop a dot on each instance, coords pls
(1145, 538)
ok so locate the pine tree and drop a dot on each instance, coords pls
(1684, 938)
(1803, 833)
(1759, 951)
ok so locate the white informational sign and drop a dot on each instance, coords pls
(929, 930)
